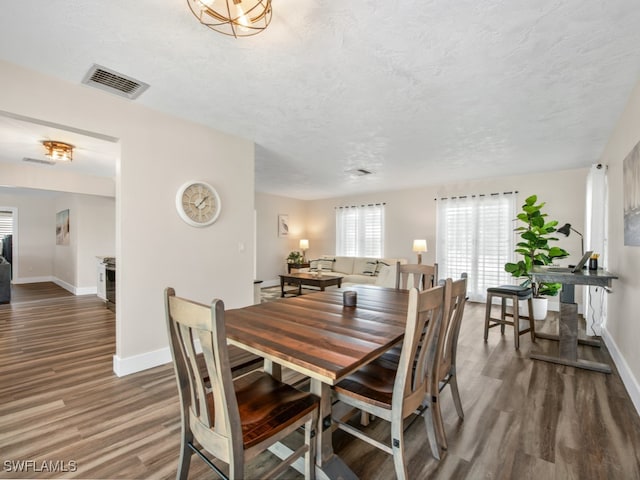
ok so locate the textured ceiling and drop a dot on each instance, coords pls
(418, 91)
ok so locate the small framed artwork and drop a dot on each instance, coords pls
(62, 227)
(283, 225)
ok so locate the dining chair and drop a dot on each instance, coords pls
(395, 394)
(445, 358)
(444, 368)
(416, 275)
(232, 420)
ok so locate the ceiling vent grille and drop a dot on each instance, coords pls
(114, 82)
(37, 160)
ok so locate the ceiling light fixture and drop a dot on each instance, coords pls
(58, 151)
(236, 18)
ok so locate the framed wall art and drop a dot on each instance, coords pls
(62, 227)
(631, 195)
(283, 225)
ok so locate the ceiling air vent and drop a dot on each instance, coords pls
(114, 82)
(37, 160)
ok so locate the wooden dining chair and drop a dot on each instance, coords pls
(443, 371)
(416, 275)
(395, 394)
(232, 420)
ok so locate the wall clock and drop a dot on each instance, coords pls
(198, 203)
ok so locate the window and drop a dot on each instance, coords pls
(475, 235)
(360, 231)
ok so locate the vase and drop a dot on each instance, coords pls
(540, 307)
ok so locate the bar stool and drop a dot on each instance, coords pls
(513, 293)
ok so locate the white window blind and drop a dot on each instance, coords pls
(360, 230)
(6, 223)
(475, 235)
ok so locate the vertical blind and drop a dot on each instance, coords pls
(360, 230)
(6, 223)
(475, 234)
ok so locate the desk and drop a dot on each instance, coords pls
(318, 337)
(568, 325)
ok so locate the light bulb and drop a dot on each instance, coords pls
(243, 20)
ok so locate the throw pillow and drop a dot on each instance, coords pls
(325, 263)
(370, 269)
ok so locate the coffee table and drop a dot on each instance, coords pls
(309, 279)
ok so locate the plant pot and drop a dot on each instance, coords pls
(540, 306)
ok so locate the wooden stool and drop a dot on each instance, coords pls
(514, 293)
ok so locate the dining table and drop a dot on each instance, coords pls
(317, 336)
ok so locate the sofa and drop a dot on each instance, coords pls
(5, 281)
(361, 270)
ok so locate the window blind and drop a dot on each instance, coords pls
(475, 235)
(360, 230)
(6, 223)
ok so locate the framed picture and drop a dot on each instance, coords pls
(631, 193)
(283, 225)
(62, 227)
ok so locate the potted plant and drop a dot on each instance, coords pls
(295, 258)
(536, 233)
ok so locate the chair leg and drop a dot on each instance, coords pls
(431, 432)
(487, 315)
(310, 456)
(453, 384)
(185, 457)
(532, 322)
(438, 422)
(397, 445)
(516, 322)
(503, 314)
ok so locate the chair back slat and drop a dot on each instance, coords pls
(416, 275)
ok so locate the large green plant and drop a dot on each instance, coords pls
(534, 247)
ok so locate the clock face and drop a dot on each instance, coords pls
(198, 203)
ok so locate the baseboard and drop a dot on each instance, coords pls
(143, 361)
(32, 280)
(628, 379)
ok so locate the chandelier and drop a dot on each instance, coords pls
(58, 151)
(236, 18)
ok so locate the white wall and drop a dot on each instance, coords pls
(411, 214)
(622, 330)
(33, 256)
(36, 255)
(154, 248)
(273, 250)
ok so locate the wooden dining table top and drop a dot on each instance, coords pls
(316, 335)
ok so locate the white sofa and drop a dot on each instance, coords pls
(373, 271)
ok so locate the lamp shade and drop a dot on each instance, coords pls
(304, 244)
(419, 245)
(565, 229)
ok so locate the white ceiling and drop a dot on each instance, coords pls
(418, 91)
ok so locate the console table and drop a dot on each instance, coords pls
(568, 324)
(297, 266)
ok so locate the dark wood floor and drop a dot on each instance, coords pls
(62, 407)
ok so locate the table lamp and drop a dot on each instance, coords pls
(419, 246)
(304, 245)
